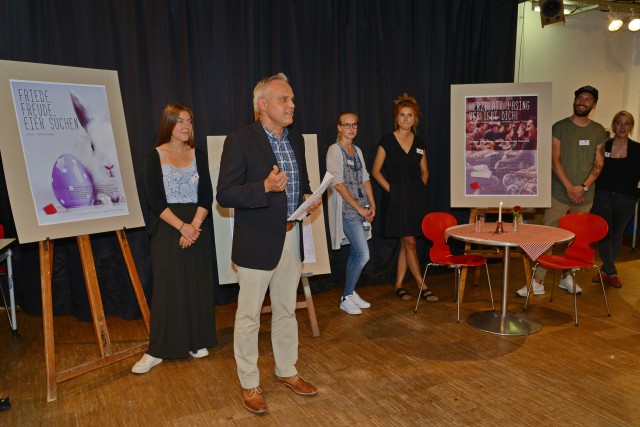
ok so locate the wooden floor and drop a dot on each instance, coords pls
(386, 367)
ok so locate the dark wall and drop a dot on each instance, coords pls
(349, 54)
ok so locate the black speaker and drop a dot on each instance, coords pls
(551, 12)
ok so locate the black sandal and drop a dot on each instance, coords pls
(428, 296)
(402, 293)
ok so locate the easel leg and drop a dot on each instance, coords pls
(312, 311)
(133, 275)
(46, 261)
(95, 300)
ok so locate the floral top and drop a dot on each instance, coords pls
(180, 184)
(352, 175)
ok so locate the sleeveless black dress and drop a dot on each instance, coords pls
(404, 206)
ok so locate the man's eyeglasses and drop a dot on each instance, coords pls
(349, 125)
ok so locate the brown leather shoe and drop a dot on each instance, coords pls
(254, 401)
(299, 385)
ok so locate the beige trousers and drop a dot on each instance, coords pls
(282, 283)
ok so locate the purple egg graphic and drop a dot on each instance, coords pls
(71, 183)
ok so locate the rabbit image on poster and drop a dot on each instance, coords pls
(96, 151)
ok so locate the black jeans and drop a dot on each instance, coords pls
(617, 209)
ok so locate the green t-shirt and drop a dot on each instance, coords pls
(577, 153)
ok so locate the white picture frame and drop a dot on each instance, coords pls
(42, 127)
(501, 145)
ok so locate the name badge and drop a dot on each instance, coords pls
(583, 142)
(195, 177)
(607, 154)
(350, 162)
(420, 151)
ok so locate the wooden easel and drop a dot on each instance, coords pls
(491, 253)
(97, 312)
(307, 303)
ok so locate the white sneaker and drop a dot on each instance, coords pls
(349, 305)
(203, 352)
(145, 364)
(566, 283)
(359, 301)
(538, 289)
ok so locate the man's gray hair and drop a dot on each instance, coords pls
(261, 87)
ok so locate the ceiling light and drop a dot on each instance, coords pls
(634, 24)
(615, 24)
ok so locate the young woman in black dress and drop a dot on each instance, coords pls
(400, 168)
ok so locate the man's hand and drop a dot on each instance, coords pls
(276, 181)
(576, 194)
(313, 206)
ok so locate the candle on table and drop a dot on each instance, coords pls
(500, 213)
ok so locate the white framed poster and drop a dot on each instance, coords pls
(501, 145)
(66, 153)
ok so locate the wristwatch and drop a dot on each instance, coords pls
(584, 187)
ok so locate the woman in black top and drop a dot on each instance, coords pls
(400, 168)
(616, 192)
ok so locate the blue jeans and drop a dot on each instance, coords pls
(358, 253)
(617, 209)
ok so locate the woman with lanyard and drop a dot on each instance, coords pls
(350, 222)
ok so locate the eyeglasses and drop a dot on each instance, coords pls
(349, 125)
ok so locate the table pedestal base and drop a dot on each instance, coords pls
(503, 324)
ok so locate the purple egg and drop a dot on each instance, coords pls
(71, 182)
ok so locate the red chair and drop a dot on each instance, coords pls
(588, 228)
(433, 227)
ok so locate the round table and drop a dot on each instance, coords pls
(534, 240)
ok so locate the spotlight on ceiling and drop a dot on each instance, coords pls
(634, 24)
(551, 12)
(615, 23)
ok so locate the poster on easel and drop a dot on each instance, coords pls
(500, 145)
(65, 151)
(69, 151)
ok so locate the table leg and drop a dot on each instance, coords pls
(503, 323)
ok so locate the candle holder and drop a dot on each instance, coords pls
(499, 228)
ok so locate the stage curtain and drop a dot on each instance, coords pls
(349, 54)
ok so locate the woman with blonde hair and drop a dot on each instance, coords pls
(616, 192)
(400, 168)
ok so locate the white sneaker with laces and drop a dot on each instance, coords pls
(538, 289)
(145, 364)
(359, 301)
(203, 352)
(349, 305)
(566, 283)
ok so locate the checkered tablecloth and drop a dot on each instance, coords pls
(533, 239)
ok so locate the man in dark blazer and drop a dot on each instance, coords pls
(263, 176)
